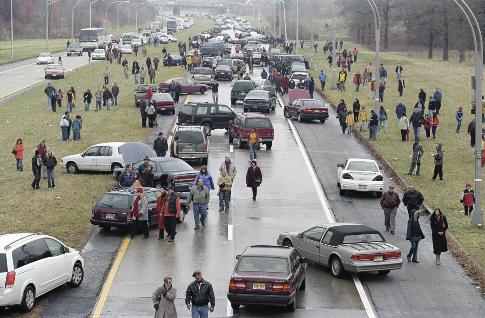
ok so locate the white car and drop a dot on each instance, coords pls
(125, 49)
(164, 39)
(107, 157)
(98, 54)
(34, 264)
(136, 42)
(171, 38)
(45, 58)
(363, 175)
(203, 75)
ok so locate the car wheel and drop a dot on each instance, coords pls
(378, 194)
(269, 145)
(230, 138)
(235, 306)
(28, 299)
(115, 166)
(77, 275)
(173, 112)
(292, 307)
(286, 114)
(322, 121)
(207, 128)
(336, 267)
(383, 273)
(303, 284)
(72, 168)
(68, 54)
(287, 242)
(202, 90)
(299, 118)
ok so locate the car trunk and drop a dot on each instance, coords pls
(108, 214)
(259, 282)
(363, 175)
(191, 147)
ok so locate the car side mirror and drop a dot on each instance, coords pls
(238, 257)
(340, 165)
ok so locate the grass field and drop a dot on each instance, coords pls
(28, 48)
(65, 211)
(454, 81)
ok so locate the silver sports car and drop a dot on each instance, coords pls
(345, 247)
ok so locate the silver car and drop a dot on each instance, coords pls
(345, 247)
(202, 75)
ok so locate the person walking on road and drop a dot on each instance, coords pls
(215, 91)
(439, 225)
(139, 214)
(438, 162)
(199, 295)
(50, 162)
(323, 78)
(416, 158)
(145, 173)
(152, 114)
(225, 183)
(342, 119)
(163, 300)
(160, 145)
(390, 202)
(467, 198)
(36, 168)
(206, 178)
(18, 152)
(412, 200)
(253, 144)
(228, 166)
(168, 209)
(254, 178)
(349, 122)
(414, 234)
(199, 196)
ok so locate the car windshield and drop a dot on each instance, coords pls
(54, 67)
(45, 54)
(175, 165)
(258, 123)
(362, 166)
(114, 201)
(257, 95)
(313, 103)
(3, 263)
(243, 85)
(162, 96)
(98, 51)
(223, 68)
(299, 76)
(263, 264)
(203, 70)
(362, 238)
(190, 136)
(225, 62)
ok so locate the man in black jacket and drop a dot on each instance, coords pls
(198, 295)
(413, 200)
(160, 145)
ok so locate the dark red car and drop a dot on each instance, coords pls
(267, 275)
(164, 103)
(187, 84)
(241, 126)
(307, 109)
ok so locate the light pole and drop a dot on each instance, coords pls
(477, 215)
(377, 26)
(284, 19)
(90, 9)
(136, 15)
(106, 16)
(47, 4)
(297, 22)
(72, 17)
(11, 29)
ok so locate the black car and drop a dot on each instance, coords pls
(173, 60)
(211, 116)
(208, 61)
(74, 49)
(223, 72)
(240, 89)
(259, 100)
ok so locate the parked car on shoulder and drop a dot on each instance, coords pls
(240, 128)
(208, 115)
(193, 143)
(240, 89)
(141, 91)
(362, 175)
(307, 109)
(345, 247)
(74, 49)
(45, 58)
(187, 84)
(173, 60)
(54, 71)
(259, 100)
(164, 103)
(32, 265)
(98, 54)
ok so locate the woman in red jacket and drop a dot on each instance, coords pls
(18, 151)
(254, 178)
(434, 124)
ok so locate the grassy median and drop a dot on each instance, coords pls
(28, 48)
(454, 81)
(64, 212)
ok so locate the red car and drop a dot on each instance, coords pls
(187, 84)
(307, 109)
(54, 71)
(164, 103)
(240, 128)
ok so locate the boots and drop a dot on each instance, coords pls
(438, 259)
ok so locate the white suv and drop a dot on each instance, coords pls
(34, 264)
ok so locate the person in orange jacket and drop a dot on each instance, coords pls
(18, 152)
(168, 210)
(434, 124)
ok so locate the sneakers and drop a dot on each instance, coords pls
(196, 227)
(221, 209)
(171, 239)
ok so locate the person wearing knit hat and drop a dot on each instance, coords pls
(467, 198)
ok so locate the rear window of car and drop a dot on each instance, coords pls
(362, 238)
(243, 85)
(362, 166)
(162, 96)
(258, 123)
(204, 71)
(186, 109)
(263, 264)
(190, 136)
(313, 103)
(258, 94)
(114, 201)
(175, 165)
(3, 263)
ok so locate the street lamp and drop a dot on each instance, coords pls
(47, 4)
(107, 7)
(90, 9)
(377, 27)
(284, 18)
(72, 17)
(136, 15)
(11, 29)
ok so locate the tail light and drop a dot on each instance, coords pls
(306, 110)
(10, 280)
(284, 288)
(347, 176)
(378, 178)
(205, 148)
(371, 256)
(193, 119)
(236, 285)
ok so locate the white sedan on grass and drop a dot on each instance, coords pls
(125, 49)
(98, 54)
(45, 58)
(363, 175)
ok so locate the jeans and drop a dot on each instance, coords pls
(373, 132)
(322, 85)
(64, 133)
(20, 165)
(383, 125)
(35, 183)
(136, 78)
(115, 100)
(215, 97)
(417, 132)
(86, 106)
(413, 251)
(76, 135)
(438, 171)
(428, 132)
(50, 178)
(357, 87)
(69, 107)
(200, 213)
(200, 311)
(458, 126)
(252, 151)
(433, 131)
(98, 105)
(255, 192)
(390, 219)
(224, 198)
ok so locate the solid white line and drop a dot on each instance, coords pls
(231, 148)
(230, 232)
(369, 309)
(229, 312)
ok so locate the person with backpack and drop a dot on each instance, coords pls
(77, 125)
(438, 162)
(467, 198)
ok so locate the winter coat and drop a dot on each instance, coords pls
(76, 125)
(435, 121)
(438, 155)
(414, 232)
(439, 241)
(390, 200)
(400, 109)
(467, 197)
(254, 177)
(373, 119)
(357, 79)
(126, 179)
(341, 107)
(437, 96)
(416, 119)
(142, 211)
(19, 151)
(382, 115)
(50, 162)
(115, 90)
(145, 174)
(417, 153)
(36, 164)
(207, 179)
(200, 294)
(166, 306)
(160, 145)
(356, 107)
(422, 95)
(412, 198)
(87, 97)
(349, 120)
(224, 183)
(199, 196)
(403, 123)
(363, 116)
(232, 171)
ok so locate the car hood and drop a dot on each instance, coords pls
(71, 157)
(290, 234)
(134, 151)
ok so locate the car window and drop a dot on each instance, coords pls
(31, 252)
(175, 165)
(362, 166)
(224, 110)
(3, 263)
(327, 237)
(313, 103)
(201, 110)
(258, 123)
(262, 264)
(190, 136)
(139, 163)
(186, 109)
(363, 238)
(55, 247)
(258, 94)
(314, 234)
(243, 85)
(114, 201)
(93, 151)
(213, 110)
(105, 151)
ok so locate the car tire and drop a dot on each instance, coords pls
(68, 54)
(287, 242)
(292, 307)
(28, 299)
(299, 118)
(303, 284)
(231, 139)
(336, 267)
(235, 306)
(378, 194)
(245, 110)
(383, 273)
(77, 275)
(322, 121)
(269, 145)
(115, 166)
(202, 90)
(72, 168)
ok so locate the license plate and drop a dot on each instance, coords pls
(362, 186)
(378, 258)
(316, 111)
(54, 75)
(259, 286)
(260, 139)
(189, 149)
(110, 216)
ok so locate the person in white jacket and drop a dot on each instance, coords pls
(64, 123)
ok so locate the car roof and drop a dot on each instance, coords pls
(347, 227)
(361, 159)
(180, 127)
(129, 191)
(268, 250)
(253, 115)
(111, 144)
(11, 240)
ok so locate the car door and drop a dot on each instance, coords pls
(224, 115)
(294, 108)
(309, 244)
(104, 159)
(60, 260)
(325, 247)
(201, 113)
(88, 159)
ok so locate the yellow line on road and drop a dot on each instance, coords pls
(111, 276)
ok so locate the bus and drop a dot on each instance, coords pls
(91, 38)
(171, 25)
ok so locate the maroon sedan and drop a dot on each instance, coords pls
(164, 103)
(54, 71)
(187, 84)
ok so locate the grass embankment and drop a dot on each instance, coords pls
(64, 212)
(28, 48)
(453, 79)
